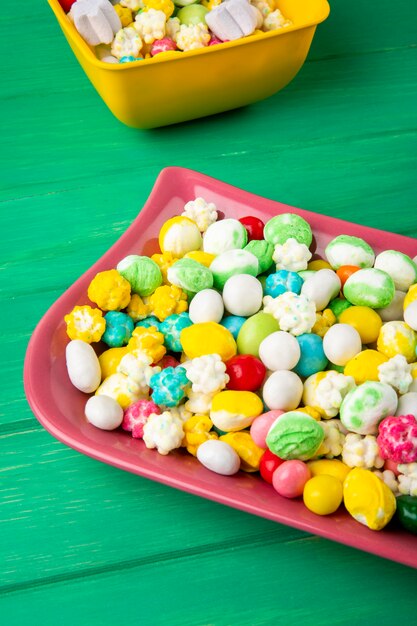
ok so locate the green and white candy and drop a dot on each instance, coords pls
(399, 266)
(295, 435)
(190, 275)
(141, 272)
(349, 250)
(263, 252)
(231, 263)
(365, 406)
(370, 287)
(225, 235)
(282, 227)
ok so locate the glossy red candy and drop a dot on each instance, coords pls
(246, 373)
(66, 4)
(268, 464)
(254, 226)
(167, 361)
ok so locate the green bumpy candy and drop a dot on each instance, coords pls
(263, 252)
(254, 331)
(142, 273)
(295, 435)
(190, 275)
(286, 226)
(370, 287)
(338, 305)
(407, 513)
(231, 263)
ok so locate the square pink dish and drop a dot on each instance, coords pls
(60, 407)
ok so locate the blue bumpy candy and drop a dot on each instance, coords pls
(149, 321)
(168, 386)
(119, 328)
(281, 282)
(171, 327)
(312, 359)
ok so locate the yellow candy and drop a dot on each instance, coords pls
(366, 321)
(319, 264)
(413, 370)
(368, 499)
(210, 4)
(329, 467)
(196, 432)
(324, 321)
(124, 13)
(364, 366)
(234, 410)
(249, 453)
(109, 290)
(166, 6)
(179, 235)
(110, 359)
(164, 261)
(165, 301)
(323, 494)
(397, 338)
(411, 296)
(148, 340)
(208, 338)
(136, 308)
(121, 388)
(205, 258)
(309, 392)
(311, 411)
(85, 323)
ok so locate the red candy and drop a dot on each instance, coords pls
(246, 373)
(397, 439)
(215, 40)
(254, 227)
(66, 4)
(167, 361)
(268, 464)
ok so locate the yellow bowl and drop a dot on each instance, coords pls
(178, 86)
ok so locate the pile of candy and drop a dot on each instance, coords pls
(133, 30)
(232, 343)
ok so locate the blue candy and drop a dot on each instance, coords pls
(129, 58)
(119, 328)
(171, 327)
(282, 281)
(312, 359)
(233, 323)
(168, 386)
(151, 320)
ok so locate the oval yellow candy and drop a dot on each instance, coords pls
(234, 410)
(329, 467)
(319, 264)
(110, 359)
(250, 454)
(368, 499)
(364, 366)
(208, 338)
(205, 258)
(366, 321)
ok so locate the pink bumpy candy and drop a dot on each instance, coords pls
(215, 40)
(397, 438)
(290, 477)
(136, 416)
(261, 425)
(163, 45)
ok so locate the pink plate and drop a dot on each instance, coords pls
(60, 407)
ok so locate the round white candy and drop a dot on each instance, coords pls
(283, 390)
(394, 311)
(83, 366)
(341, 343)
(399, 266)
(104, 412)
(242, 295)
(206, 306)
(227, 234)
(218, 456)
(410, 315)
(407, 404)
(280, 351)
(321, 287)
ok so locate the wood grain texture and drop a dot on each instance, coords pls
(88, 544)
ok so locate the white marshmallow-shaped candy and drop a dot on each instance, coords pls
(410, 315)
(283, 390)
(242, 295)
(341, 343)
(407, 404)
(104, 412)
(218, 456)
(96, 20)
(321, 287)
(280, 351)
(232, 19)
(83, 366)
(206, 306)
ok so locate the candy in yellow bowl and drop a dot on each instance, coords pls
(178, 86)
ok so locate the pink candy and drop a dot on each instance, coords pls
(136, 416)
(397, 439)
(290, 477)
(163, 45)
(261, 425)
(215, 40)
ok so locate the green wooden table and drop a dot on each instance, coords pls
(83, 543)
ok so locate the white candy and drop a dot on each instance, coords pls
(163, 432)
(410, 315)
(103, 53)
(321, 287)
(83, 366)
(341, 343)
(407, 404)
(104, 412)
(242, 295)
(228, 234)
(232, 19)
(394, 311)
(291, 255)
(206, 306)
(218, 456)
(96, 20)
(399, 266)
(280, 351)
(283, 390)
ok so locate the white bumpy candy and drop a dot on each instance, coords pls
(233, 19)
(96, 20)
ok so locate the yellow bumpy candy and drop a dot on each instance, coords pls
(208, 338)
(85, 323)
(122, 389)
(329, 467)
(234, 410)
(368, 499)
(164, 261)
(180, 235)
(166, 6)
(109, 361)
(109, 290)
(205, 258)
(124, 13)
(148, 340)
(366, 321)
(250, 454)
(196, 432)
(167, 300)
(136, 308)
(397, 338)
(364, 366)
(324, 321)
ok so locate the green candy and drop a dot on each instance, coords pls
(254, 331)
(295, 435)
(304, 274)
(336, 368)
(349, 250)
(263, 252)
(231, 263)
(286, 226)
(192, 14)
(365, 406)
(142, 273)
(190, 275)
(369, 287)
(184, 3)
(399, 266)
(338, 305)
(407, 513)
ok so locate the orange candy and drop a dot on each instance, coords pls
(345, 271)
